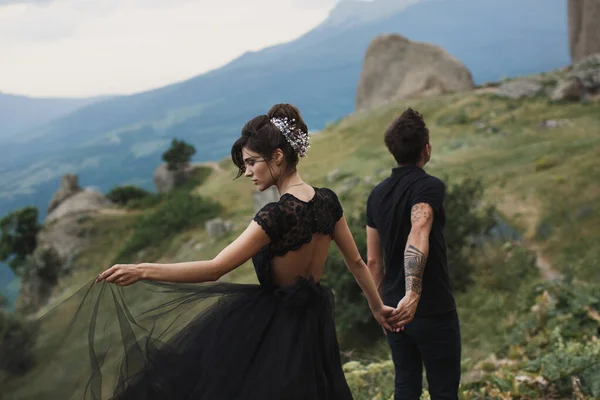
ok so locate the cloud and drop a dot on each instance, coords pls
(90, 47)
(8, 2)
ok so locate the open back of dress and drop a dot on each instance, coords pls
(300, 233)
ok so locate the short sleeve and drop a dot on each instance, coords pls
(334, 204)
(270, 220)
(431, 191)
(370, 219)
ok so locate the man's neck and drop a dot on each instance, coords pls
(420, 164)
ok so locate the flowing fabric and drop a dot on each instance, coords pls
(206, 341)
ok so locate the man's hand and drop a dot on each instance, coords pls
(405, 312)
(382, 316)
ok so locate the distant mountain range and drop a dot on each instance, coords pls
(21, 113)
(119, 140)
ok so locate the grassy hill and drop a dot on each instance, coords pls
(519, 330)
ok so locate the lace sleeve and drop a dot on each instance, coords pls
(334, 204)
(269, 219)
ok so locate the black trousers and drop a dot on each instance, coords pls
(431, 341)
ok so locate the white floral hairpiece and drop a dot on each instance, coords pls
(295, 137)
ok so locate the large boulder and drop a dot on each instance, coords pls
(584, 28)
(166, 180)
(395, 68)
(581, 82)
(62, 231)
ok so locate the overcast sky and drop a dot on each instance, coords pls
(63, 48)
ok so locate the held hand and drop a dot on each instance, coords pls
(382, 316)
(405, 312)
(121, 274)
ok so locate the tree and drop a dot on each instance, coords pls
(18, 232)
(178, 155)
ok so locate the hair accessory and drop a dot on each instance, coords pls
(295, 137)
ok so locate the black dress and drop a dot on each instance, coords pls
(263, 341)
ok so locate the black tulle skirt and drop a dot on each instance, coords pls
(206, 341)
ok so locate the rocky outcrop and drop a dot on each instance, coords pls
(568, 90)
(218, 227)
(69, 185)
(584, 28)
(62, 231)
(519, 88)
(80, 203)
(582, 82)
(66, 236)
(395, 68)
(587, 71)
(166, 180)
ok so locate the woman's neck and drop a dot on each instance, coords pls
(288, 181)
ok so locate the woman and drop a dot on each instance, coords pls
(275, 340)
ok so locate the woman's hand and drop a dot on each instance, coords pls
(382, 315)
(122, 274)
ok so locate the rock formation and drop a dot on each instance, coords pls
(166, 180)
(584, 28)
(69, 185)
(395, 68)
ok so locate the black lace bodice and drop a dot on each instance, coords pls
(290, 223)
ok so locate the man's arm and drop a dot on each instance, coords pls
(417, 247)
(415, 258)
(375, 258)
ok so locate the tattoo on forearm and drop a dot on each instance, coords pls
(414, 265)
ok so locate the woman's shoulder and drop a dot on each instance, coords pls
(331, 198)
(326, 192)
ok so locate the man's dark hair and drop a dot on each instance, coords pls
(407, 136)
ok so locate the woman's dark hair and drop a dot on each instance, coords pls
(407, 136)
(261, 136)
(290, 112)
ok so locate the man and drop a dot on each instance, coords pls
(405, 233)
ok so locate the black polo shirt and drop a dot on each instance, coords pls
(388, 211)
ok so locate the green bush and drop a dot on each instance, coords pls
(123, 195)
(178, 155)
(179, 211)
(16, 342)
(18, 231)
(143, 202)
(467, 222)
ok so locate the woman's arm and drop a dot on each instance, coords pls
(345, 242)
(375, 258)
(234, 255)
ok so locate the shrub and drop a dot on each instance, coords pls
(179, 211)
(123, 195)
(18, 232)
(16, 342)
(467, 222)
(178, 155)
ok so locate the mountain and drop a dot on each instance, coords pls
(21, 113)
(119, 140)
